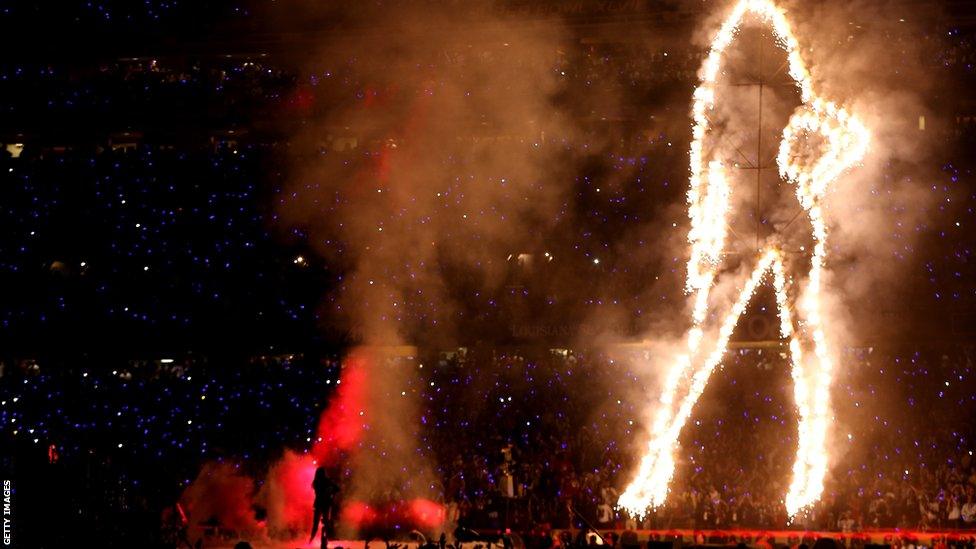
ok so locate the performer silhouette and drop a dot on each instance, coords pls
(325, 492)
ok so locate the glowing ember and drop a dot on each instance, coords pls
(841, 141)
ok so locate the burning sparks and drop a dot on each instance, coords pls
(839, 141)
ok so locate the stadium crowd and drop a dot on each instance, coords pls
(122, 232)
(892, 470)
(127, 441)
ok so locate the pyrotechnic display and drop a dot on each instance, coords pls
(488, 274)
(840, 141)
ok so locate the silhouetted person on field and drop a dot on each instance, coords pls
(176, 525)
(325, 491)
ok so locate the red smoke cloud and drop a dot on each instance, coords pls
(359, 514)
(341, 424)
(288, 490)
(415, 513)
(288, 493)
(426, 513)
(220, 492)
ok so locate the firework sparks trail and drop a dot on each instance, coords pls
(841, 141)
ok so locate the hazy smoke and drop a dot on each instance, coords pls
(454, 169)
(449, 144)
(870, 60)
(222, 493)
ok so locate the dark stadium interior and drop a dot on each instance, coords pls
(186, 189)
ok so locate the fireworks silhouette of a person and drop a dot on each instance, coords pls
(819, 143)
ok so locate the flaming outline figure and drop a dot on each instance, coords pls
(844, 141)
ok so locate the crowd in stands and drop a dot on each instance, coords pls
(524, 440)
(119, 446)
(112, 244)
(892, 469)
(238, 89)
(137, 245)
(175, 92)
(122, 236)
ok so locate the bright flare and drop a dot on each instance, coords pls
(841, 141)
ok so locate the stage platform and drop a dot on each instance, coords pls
(688, 538)
(792, 538)
(301, 544)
